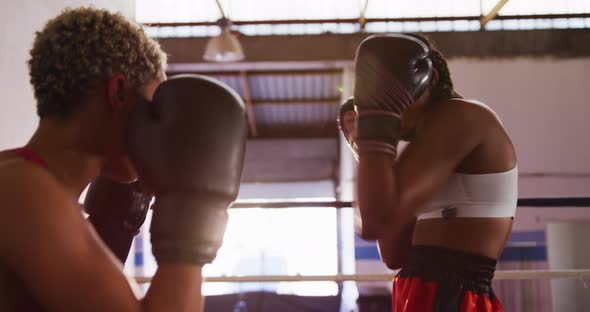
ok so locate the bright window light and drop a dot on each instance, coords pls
(190, 10)
(153, 11)
(527, 7)
(265, 241)
(277, 242)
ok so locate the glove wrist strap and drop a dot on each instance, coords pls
(377, 132)
(188, 228)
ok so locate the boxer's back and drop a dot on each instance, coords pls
(14, 294)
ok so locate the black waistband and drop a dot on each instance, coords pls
(445, 265)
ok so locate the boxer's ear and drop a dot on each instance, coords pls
(435, 77)
(116, 91)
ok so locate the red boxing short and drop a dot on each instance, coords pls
(439, 279)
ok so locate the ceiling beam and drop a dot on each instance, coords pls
(331, 101)
(332, 50)
(266, 73)
(367, 20)
(270, 48)
(319, 130)
(317, 21)
(259, 66)
(492, 14)
(248, 100)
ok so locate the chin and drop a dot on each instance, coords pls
(126, 178)
(121, 177)
(407, 136)
(121, 172)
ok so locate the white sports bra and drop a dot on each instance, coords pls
(492, 195)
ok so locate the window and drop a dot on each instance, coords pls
(278, 242)
(154, 11)
(266, 241)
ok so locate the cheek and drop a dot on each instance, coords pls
(150, 89)
(408, 119)
(350, 131)
(350, 122)
(120, 169)
(350, 126)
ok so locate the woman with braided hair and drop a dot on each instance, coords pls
(441, 210)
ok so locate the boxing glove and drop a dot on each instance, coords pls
(391, 72)
(117, 211)
(188, 147)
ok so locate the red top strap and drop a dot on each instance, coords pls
(29, 155)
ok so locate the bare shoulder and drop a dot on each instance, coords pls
(38, 217)
(466, 113)
(30, 198)
(22, 181)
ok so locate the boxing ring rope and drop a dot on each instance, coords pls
(582, 274)
(525, 202)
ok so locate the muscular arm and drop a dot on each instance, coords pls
(394, 247)
(65, 265)
(440, 143)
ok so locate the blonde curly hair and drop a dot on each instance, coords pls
(81, 46)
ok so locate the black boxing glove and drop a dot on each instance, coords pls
(345, 109)
(117, 211)
(392, 71)
(188, 147)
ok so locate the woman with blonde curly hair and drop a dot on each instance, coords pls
(88, 68)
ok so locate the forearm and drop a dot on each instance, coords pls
(376, 194)
(395, 247)
(175, 287)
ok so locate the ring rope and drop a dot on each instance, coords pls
(499, 275)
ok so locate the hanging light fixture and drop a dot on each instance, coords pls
(225, 47)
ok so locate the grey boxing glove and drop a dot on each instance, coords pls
(188, 147)
(392, 71)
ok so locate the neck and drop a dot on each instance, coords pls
(456, 94)
(65, 151)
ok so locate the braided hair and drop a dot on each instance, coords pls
(444, 86)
